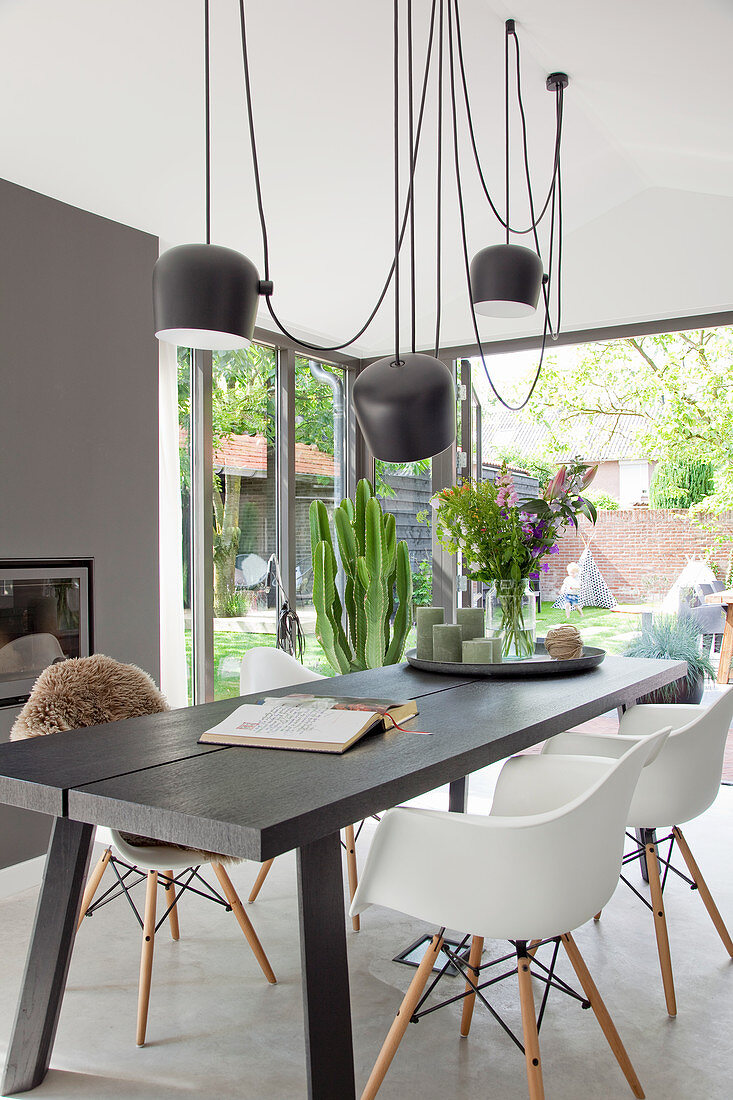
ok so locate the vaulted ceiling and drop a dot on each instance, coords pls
(103, 109)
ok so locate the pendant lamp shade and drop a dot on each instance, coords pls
(205, 296)
(506, 280)
(406, 412)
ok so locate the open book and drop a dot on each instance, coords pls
(317, 723)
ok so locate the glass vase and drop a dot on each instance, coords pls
(513, 613)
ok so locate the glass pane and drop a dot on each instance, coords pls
(404, 489)
(245, 516)
(320, 474)
(184, 456)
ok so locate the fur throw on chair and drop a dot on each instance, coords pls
(86, 691)
(91, 691)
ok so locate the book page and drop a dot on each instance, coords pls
(294, 718)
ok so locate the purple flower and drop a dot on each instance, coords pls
(534, 576)
(545, 566)
(555, 549)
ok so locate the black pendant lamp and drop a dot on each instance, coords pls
(506, 280)
(204, 295)
(406, 403)
(406, 408)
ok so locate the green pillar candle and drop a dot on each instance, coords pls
(478, 651)
(471, 619)
(447, 640)
(427, 618)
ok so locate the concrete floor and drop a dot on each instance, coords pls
(216, 1029)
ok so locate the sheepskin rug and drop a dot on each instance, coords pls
(86, 691)
(91, 691)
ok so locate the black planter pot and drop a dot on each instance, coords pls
(679, 692)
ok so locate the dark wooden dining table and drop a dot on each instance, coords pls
(150, 776)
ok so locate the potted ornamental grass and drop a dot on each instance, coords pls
(506, 542)
(674, 638)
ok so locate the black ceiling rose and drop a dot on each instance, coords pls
(205, 296)
(408, 411)
(506, 280)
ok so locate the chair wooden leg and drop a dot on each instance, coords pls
(702, 889)
(244, 922)
(146, 957)
(532, 947)
(601, 1014)
(474, 960)
(529, 1029)
(402, 1019)
(598, 915)
(351, 870)
(264, 871)
(660, 928)
(173, 915)
(93, 885)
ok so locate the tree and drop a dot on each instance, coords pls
(678, 386)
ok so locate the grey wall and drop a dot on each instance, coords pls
(79, 424)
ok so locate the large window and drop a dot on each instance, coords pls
(249, 448)
(243, 387)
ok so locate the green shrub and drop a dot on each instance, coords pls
(603, 502)
(673, 638)
(680, 484)
(422, 584)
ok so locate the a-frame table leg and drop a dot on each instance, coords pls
(326, 1003)
(49, 955)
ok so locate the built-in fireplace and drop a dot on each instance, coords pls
(45, 616)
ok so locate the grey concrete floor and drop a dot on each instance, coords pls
(216, 1029)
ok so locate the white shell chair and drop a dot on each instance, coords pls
(164, 866)
(264, 669)
(547, 855)
(678, 786)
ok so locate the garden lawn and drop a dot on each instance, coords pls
(609, 630)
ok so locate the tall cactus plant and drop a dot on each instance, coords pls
(376, 569)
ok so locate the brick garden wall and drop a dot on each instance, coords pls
(640, 552)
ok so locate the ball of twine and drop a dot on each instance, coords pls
(564, 642)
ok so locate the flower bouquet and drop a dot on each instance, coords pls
(505, 542)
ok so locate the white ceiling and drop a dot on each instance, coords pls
(103, 108)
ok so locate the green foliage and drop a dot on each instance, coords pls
(675, 387)
(603, 502)
(681, 483)
(236, 603)
(673, 638)
(422, 584)
(376, 568)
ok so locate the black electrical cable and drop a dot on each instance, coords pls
(467, 265)
(411, 136)
(439, 188)
(474, 146)
(396, 121)
(296, 339)
(207, 97)
(253, 141)
(507, 223)
(554, 333)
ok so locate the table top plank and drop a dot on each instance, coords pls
(261, 802)
(36, 774)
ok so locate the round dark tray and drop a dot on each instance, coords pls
(539, 665)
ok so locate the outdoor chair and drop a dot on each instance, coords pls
(535, 868)
(263, 669)
(679, 785)
(95, 690)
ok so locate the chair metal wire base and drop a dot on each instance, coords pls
(132, 876)
(455, 959)
(648, 836)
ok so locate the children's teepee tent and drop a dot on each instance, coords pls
(594, 592)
